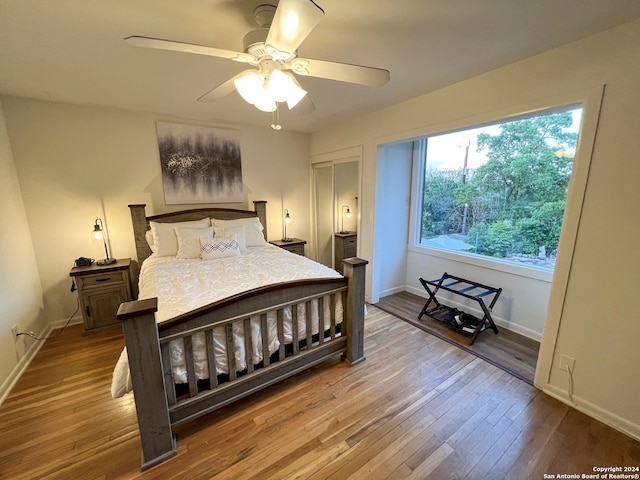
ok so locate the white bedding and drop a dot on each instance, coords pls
(181, 285)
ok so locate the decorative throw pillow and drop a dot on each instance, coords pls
(189, 240)
(218, 247)
(164, 236)
(230, 231)
(252, 229)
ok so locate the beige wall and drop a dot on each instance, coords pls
(20, 291)
(76, 164)
(597, 323)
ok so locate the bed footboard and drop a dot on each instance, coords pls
(160, 406)
(146, 370)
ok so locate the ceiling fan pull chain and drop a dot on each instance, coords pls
(276, 118)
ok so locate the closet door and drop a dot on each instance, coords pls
(324, 212)
(335, 203)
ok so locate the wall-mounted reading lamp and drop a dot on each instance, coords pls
(98, 234)
(347, 214)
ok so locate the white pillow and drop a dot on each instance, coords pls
(236, 222)
(252, 229)
(254, 236)
(149, 238)
(219, 247)
(230, 231)
(164, 236)
(189, 240)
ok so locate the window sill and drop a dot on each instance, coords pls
(483, 262)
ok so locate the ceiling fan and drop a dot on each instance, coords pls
(272, 52)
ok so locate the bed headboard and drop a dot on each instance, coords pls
(140, 221)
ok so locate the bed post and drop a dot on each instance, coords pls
(145, 366)
(139, 222)
(260, 207)
(354, 271)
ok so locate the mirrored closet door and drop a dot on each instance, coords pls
(336, 210)
(323, 181)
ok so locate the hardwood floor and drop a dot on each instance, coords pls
(418, 407)
(508, 350)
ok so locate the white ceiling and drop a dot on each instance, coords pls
(73, 50)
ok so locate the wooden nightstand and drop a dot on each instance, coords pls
(346, 246)
(101, 289)
(294, 246)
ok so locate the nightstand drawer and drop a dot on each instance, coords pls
(102, 279)
(297, 249)
(349, 252)
(350, 242)
(293, 245)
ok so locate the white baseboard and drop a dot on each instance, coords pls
(22, 365)
(415, 291)
(391, 291)
(514, 327)
(608, 418)
(61, 323)
(500, 322)
(29, 355)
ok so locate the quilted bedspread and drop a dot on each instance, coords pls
(182, 285)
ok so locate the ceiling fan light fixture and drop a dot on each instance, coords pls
(284, 87)
(264, 90)
(251, 88)
(249, 85)
(296, 93)
(278, 85)
(262, 98)
(293, 101)
(265, 104)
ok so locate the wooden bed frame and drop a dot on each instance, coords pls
(159, 408)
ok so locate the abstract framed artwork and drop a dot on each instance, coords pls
(199, 164)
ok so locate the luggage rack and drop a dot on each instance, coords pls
(465, 288)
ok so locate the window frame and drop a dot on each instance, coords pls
(586, 93)
(417, 187)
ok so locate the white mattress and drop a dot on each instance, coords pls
(182, 285)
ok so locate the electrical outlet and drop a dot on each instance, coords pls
(567, 361)
(14, 332)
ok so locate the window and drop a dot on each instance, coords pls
(500, 191)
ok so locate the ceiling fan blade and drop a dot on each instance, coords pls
(160, 44)
(343, 72)
(218, 92)
(305, 106)
(292, 22)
